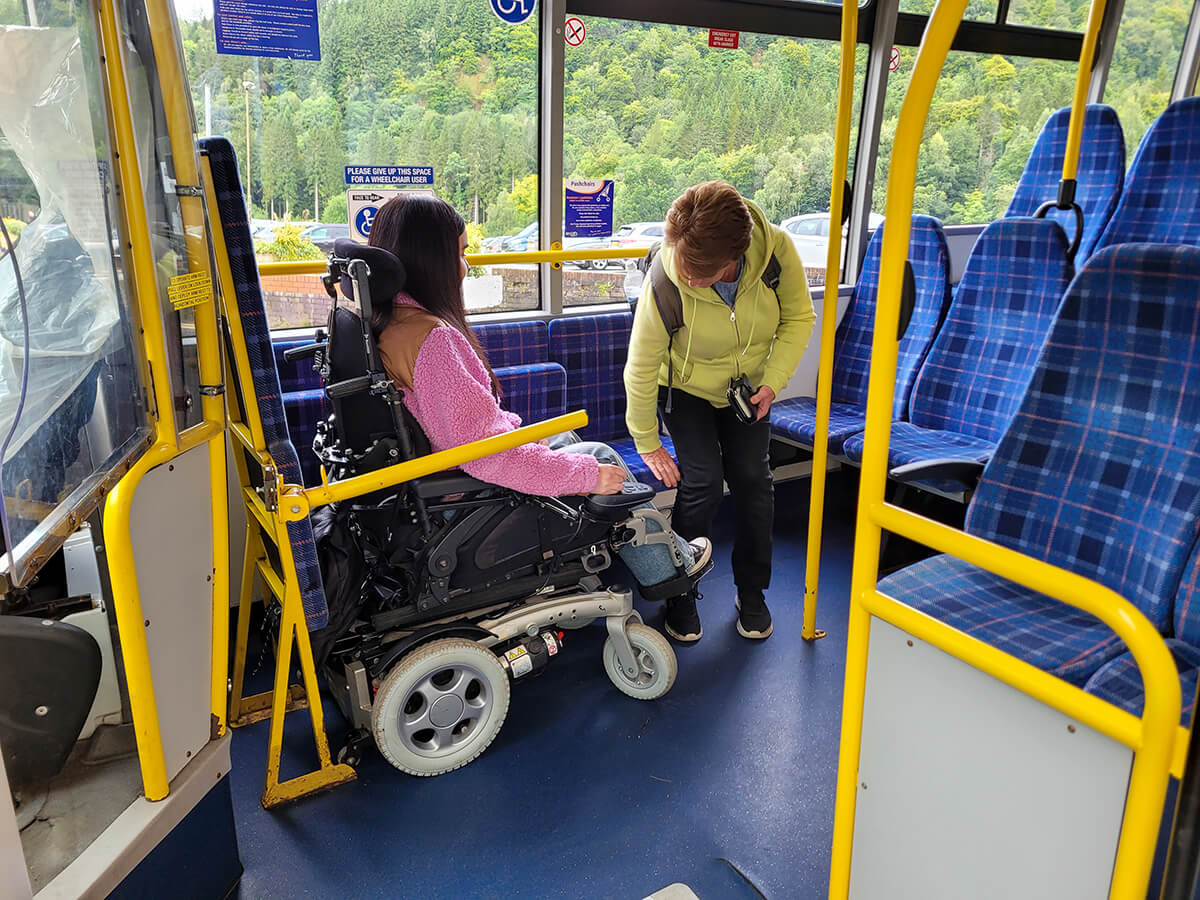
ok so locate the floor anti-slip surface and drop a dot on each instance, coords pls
(725, 785)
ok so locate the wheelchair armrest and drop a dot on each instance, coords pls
(307, 350)
(444, 483)
(613, 506)
(966, 471)
(341, 389)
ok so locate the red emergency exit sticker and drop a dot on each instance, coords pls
(726, 40)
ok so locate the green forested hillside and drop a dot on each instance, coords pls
(444, 83)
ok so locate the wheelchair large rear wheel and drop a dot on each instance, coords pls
(440, 706)
(656, 661)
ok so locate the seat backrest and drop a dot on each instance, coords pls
(535, 392)
(852, 351)
(262, 377)
(1099, 179)
(1099, 472)
(1161, 200)
(984, 353)
(295, 375)
(1187, 602)
(514, 343)
(593, 350)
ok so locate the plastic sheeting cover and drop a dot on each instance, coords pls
(65, 253)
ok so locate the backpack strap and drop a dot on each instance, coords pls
(770, 275)
(670, 310)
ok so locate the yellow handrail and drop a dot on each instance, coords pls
(183, 151)
(829, 307)
(127, 604)
(1153, 735)
(360, 485)
(318, 266)
(1083, 77)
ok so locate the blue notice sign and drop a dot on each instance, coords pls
(589, 208)
(361, 175)
(282, 28)
(514, 12)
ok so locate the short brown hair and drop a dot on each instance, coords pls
(709, 226)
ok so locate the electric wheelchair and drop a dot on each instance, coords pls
(444, 590)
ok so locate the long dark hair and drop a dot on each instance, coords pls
(424, 232)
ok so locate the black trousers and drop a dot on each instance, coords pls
(711, 445)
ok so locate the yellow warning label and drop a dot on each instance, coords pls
(190, 290)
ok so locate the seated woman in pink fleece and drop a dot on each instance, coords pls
(433, 356)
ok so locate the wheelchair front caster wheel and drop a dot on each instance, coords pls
(440, 706)
(351, 752)
(656, 664)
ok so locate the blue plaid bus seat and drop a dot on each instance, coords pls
(1161, 200)
(535, 392)
(976, 372)
(1120, 683)
(231, 209)
(1098, 182)
(1099, 472)
(636, 465)
(593, 350)
(514, 343)
(304, 410)
(795, 418)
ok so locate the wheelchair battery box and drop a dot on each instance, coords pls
(530, 655)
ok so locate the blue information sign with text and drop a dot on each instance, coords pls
(404, 175)
(589, 208)
(281, 28)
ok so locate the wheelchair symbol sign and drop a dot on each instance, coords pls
(514, 12)
(363, 220)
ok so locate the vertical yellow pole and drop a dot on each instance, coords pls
(177, 105)
(829, 307)
(127, 602)
(1083, 79)
(943, 23)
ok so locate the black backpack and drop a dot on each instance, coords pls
(670, 303)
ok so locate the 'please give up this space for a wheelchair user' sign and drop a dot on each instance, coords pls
(380, 186)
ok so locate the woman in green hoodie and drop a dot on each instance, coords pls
(718, 247)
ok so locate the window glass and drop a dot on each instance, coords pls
(977, 10)
(656, 109)
(1063, 15)
(403, 82)
(1145, 57)
(82, 412)
(986, 114)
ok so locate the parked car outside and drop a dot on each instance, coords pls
(590, 243)
(525, 239)
(639, 234)
(810, 234)
(324, 235)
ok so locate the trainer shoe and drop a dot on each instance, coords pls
(754, 619)
(702, 552)
(682, 621)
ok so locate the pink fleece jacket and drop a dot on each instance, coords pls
(453, 402)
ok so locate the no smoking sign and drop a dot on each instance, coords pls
(574, 31)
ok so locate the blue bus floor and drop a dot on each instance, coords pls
(725, 784)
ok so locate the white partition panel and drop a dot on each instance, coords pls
(968, 788)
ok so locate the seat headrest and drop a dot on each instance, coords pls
(387, 276)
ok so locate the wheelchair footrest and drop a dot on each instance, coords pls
(674, 587)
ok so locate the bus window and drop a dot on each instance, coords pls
(977, 10)
(1144, 60)
(1065, 15)
(399, 83)
(656, 109)
(986, 114)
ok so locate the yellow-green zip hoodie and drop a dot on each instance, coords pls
(760, 337)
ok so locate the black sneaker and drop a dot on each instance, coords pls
(754, 619)
(682, 621)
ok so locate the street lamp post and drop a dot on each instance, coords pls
(246, 85)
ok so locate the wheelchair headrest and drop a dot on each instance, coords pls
(387, 276)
